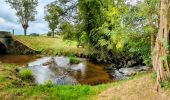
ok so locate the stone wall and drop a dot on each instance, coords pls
(17, 47)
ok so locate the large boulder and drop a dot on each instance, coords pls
(127, 71)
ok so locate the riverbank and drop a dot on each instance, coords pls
(57, 46)
(53, 46)
(141, 88)
(12, 86)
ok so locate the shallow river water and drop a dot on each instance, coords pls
(59, 70)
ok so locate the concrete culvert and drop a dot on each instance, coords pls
(2, 48)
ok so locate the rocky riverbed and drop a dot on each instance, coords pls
(125, 73)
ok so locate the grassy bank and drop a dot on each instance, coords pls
(13, 87)
(53, 46)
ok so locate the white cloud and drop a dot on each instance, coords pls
(2, 20)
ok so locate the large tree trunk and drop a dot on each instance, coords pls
(161, 52)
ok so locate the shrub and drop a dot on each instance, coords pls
(27, 75)
(34, 34)
(166, 84)
(49, 83)
(49, 33)
(74, 60)
(17, 69)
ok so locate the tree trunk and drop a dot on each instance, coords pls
(25, 26)
(160, 55)
(53, 33)
(25, 31)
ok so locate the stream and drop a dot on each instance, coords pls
(59, 70)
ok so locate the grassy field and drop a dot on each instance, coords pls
(52, 46)
(13, 87)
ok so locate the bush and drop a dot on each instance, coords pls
(74, 60)
(34, 34)
(49, 83)
(49, 33)
(166, 84)
(27, 75)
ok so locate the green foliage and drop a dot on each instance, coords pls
(83, 38)
(27, 75)
(34, 34)
(67, 30)
(49, 83)
(49, 34)
(141, 47)
(166, 84)
(74, 60)
(139, 21)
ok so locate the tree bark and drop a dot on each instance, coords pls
(53, 34)
(161, 52)
(25, 31)
(25, 26)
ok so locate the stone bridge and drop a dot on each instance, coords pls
(9, 44)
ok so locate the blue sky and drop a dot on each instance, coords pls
(9, 21)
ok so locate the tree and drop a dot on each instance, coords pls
(161, 52)
(142, 23)
(102, 21)
(149, 9)
(67, 30)
(53, 13)
(25, 11)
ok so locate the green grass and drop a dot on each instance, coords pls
(12, 86)
(53, 46)
(26, 74)
(74, 60)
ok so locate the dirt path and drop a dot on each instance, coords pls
(137, 89)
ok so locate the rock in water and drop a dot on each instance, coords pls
(118, 76)
(141, 68)
(127, 71)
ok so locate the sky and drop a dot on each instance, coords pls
(9, 21)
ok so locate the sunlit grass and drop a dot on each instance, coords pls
(52, 46)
